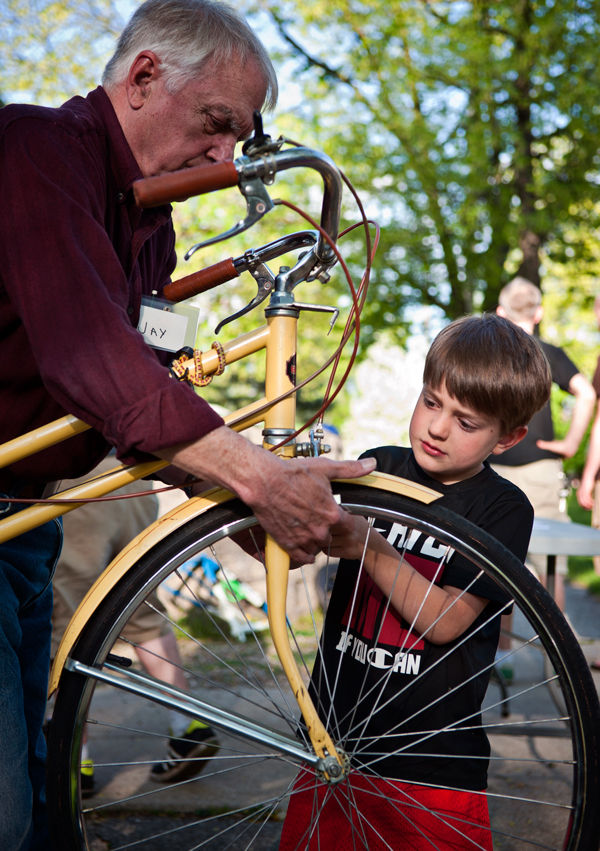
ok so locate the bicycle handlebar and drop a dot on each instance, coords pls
(180, 185)
(202, 281)
(244, 171)
(227, 270)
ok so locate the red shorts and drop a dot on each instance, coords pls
(376, 814)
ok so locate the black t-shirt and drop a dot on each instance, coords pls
(540, 426)
(366, 644)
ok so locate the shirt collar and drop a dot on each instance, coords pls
(123, 164)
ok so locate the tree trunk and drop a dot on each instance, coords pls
(530, 265)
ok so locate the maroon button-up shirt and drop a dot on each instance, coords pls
(76, 256)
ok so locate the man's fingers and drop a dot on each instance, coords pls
(300, 557)
(355, 469)
(341, 469)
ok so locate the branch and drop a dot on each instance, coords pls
(311, 60)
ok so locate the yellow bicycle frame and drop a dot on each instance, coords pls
(278, 337)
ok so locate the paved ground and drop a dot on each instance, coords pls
(531, 762)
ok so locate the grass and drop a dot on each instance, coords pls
(581, 568)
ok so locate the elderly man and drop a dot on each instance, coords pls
(76, 256)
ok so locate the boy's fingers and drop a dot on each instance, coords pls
(344, 525)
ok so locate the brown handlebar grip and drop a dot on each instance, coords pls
(202, 281)
(180, 185)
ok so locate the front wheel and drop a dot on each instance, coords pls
(531, 771)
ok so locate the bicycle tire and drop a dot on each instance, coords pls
(559, 772)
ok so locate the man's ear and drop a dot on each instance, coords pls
(509, 440)
(500, 311)
(143, 73)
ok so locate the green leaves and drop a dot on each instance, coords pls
(51, 50)
(473, 129)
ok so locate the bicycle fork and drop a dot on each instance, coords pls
(279, 421)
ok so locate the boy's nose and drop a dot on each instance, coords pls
(438, 427)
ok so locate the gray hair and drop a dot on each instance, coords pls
(520, 299)
(186, 34)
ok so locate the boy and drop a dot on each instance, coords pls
(484, 379)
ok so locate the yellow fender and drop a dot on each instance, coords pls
(167, 524)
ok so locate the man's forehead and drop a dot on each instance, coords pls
(233, 79)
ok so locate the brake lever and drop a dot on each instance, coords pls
(265, 280)
(258, 204)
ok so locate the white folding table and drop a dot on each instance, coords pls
(553, 538)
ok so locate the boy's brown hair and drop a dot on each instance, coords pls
(490, 365)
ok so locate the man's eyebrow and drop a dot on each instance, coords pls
(230, 121)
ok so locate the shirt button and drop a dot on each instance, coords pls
(130, 310)
(120, 196)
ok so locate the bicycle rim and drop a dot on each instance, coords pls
(543, 766)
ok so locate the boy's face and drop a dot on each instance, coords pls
(451, 440)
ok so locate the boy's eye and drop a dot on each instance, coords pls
(429, 403)
(466, 425)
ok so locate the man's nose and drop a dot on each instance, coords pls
(222, 148)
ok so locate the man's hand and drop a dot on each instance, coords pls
(291, 499)
(585, 400)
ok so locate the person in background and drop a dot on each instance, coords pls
(93, 535)
(588, 492)
(535, 465)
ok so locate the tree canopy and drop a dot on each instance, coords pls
(473, 126)
(51, 50)
(471, 129)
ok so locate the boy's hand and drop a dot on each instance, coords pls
(348, 538)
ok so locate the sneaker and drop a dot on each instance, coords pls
(503, 666)
(508, 673)
(88, 783)
(187, 756)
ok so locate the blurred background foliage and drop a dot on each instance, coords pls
(471, 130)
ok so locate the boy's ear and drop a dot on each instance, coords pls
(509, 440)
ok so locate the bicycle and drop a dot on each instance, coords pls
(544, 779)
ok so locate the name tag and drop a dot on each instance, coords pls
(167, 326)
